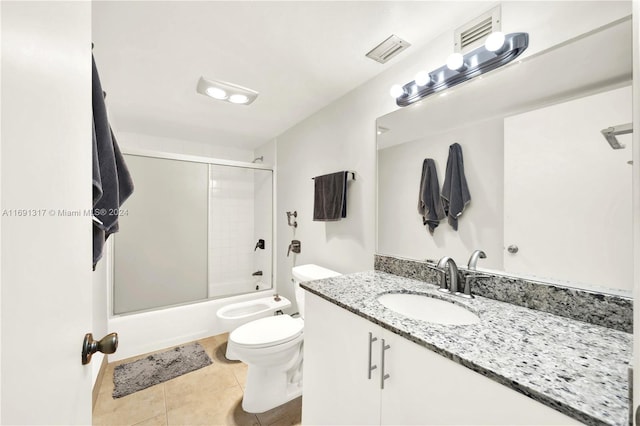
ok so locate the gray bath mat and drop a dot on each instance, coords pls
(157, 368)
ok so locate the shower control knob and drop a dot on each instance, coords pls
(295, 247)
(513, 249)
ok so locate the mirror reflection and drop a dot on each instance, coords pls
(550, 196)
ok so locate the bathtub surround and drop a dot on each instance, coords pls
(603, 309)
(577, 369)
(158, 368)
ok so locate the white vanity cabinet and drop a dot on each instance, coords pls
(422, 388)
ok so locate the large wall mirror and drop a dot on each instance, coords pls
(542, 176)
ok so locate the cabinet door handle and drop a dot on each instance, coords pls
(383, 376)
(371, 367)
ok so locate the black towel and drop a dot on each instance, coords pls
(330, 197)
(455, 192)
(112, 183)
(429, 203)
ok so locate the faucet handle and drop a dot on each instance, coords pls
(467, 287)
(472, 277)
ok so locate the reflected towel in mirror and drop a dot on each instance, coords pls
(455, 192)
(429, 202)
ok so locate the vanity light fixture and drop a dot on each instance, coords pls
(498, 50)
(224, 91)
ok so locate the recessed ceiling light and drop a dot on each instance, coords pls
(216, 92)
(238, 99)
(224, 91)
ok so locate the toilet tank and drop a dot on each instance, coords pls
(305, 273)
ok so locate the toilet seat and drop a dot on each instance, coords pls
(267, 332)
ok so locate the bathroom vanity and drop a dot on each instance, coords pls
(514, 366)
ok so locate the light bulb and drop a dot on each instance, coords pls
(423, 78)
(216, 93)
(396, 91)
(238, 99)
(455, 61)
(494, 42)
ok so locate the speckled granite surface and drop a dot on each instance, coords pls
(577, 368)
(596, 308)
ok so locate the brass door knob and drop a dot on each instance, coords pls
(107, 345)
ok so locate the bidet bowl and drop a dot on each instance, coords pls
(428, 308)
(236, 314)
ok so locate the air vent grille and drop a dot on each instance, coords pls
(388, 49)
(475, 32)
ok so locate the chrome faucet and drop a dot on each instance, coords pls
(453, 273)
(473, 260)
(473, 274)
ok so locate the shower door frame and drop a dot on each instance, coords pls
(210, 162)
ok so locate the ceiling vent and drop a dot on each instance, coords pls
(388, 49)
(475, 32)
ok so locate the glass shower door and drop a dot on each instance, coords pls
(161, 253)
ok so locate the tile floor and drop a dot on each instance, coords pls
(209, 396)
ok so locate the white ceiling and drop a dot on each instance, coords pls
(300, 56)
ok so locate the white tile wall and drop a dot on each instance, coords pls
(232, 236)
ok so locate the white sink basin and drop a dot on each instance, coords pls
(426, 308)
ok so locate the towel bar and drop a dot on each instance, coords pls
(353, 175)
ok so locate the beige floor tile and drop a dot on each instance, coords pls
(160, 420)
(240, 372)
(209, 396)
(207, 380)
(212, 408)
(287, 421)
(216, 348)
(131, 409)
(286, 414)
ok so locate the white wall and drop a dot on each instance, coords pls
(342, 136)
(128, 140)
(46, 164)
(481, 224)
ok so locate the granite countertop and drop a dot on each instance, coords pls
(575, 367)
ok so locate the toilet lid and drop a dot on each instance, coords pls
(268, 331)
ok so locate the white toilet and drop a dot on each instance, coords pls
(272, 347)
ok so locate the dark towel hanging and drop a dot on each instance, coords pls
(112, 183)
(330, 197)
(429, 202)
(455, 192)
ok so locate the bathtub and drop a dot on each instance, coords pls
(150, 331)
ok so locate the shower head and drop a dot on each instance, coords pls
(261, 159)
(610, 134)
